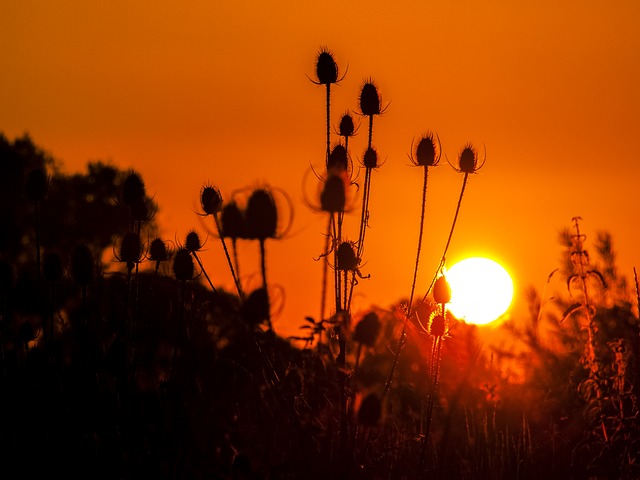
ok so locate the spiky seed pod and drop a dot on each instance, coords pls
(37, 184)
(52, 267)
(347, 128)
(6, 276)
(347, 259)
(338, 160)
(441, 290)
(436, 325)
(369, 99)
(370, 411)
(133, 190)
(130, 250)
(261, 215)
(367, 330)
(183, 266)
(232, 222)
(333, 197)
(158, 251)
(192, 242)
(468, 159)
(210, 200)
(82, 265)
(256, 307)
(326, 68)
(426, 152)
(370, 159)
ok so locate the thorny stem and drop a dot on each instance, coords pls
(263, 268)
(635, 278)
(195, 255)
(226, 252)
(446, 247)
(328, 121)
(409, 311)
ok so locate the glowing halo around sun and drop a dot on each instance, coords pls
(481, 290)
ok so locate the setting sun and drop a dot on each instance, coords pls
(481, 290)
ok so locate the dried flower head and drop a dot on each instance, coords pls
(210, 200)
(370, 159)
(130, 250)
(333, 197)
(370, 100)
(437, 325)
(158, 250)
(441, 290)
(347, 258)
(427, 153)
(338, 160)
(261, 215)
(326, 68)
(347, 127)
(468, 160)
(192, 242)
(367, 329)
(183, 267)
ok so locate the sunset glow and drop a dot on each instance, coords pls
(481, 290)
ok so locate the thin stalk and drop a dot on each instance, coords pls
(263, 268)
(409, 311)
(236, 278)
(328, 120)
(195, 255)
(446, 247)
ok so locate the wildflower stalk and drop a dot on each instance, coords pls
(236, 278)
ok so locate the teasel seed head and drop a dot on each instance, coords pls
(158, 251)
(370, 99)
(370, 159)
(333, 197)
(338, 160)
(441, 290)
(436, 325)
(210, 200)
(261, 215)
(426, 154)
(347, 128)
(192, 242)
(347, 259)
(130, 250)
(326, 68)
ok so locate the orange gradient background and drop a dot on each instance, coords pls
(211, 91)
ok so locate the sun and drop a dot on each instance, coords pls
(481, 290)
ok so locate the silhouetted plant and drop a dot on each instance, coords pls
(193, 245)
(212, 204)
(427, 154)
(52, 272)
(233, 226)
(82, 272)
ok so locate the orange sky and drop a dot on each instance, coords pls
(211, 91)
